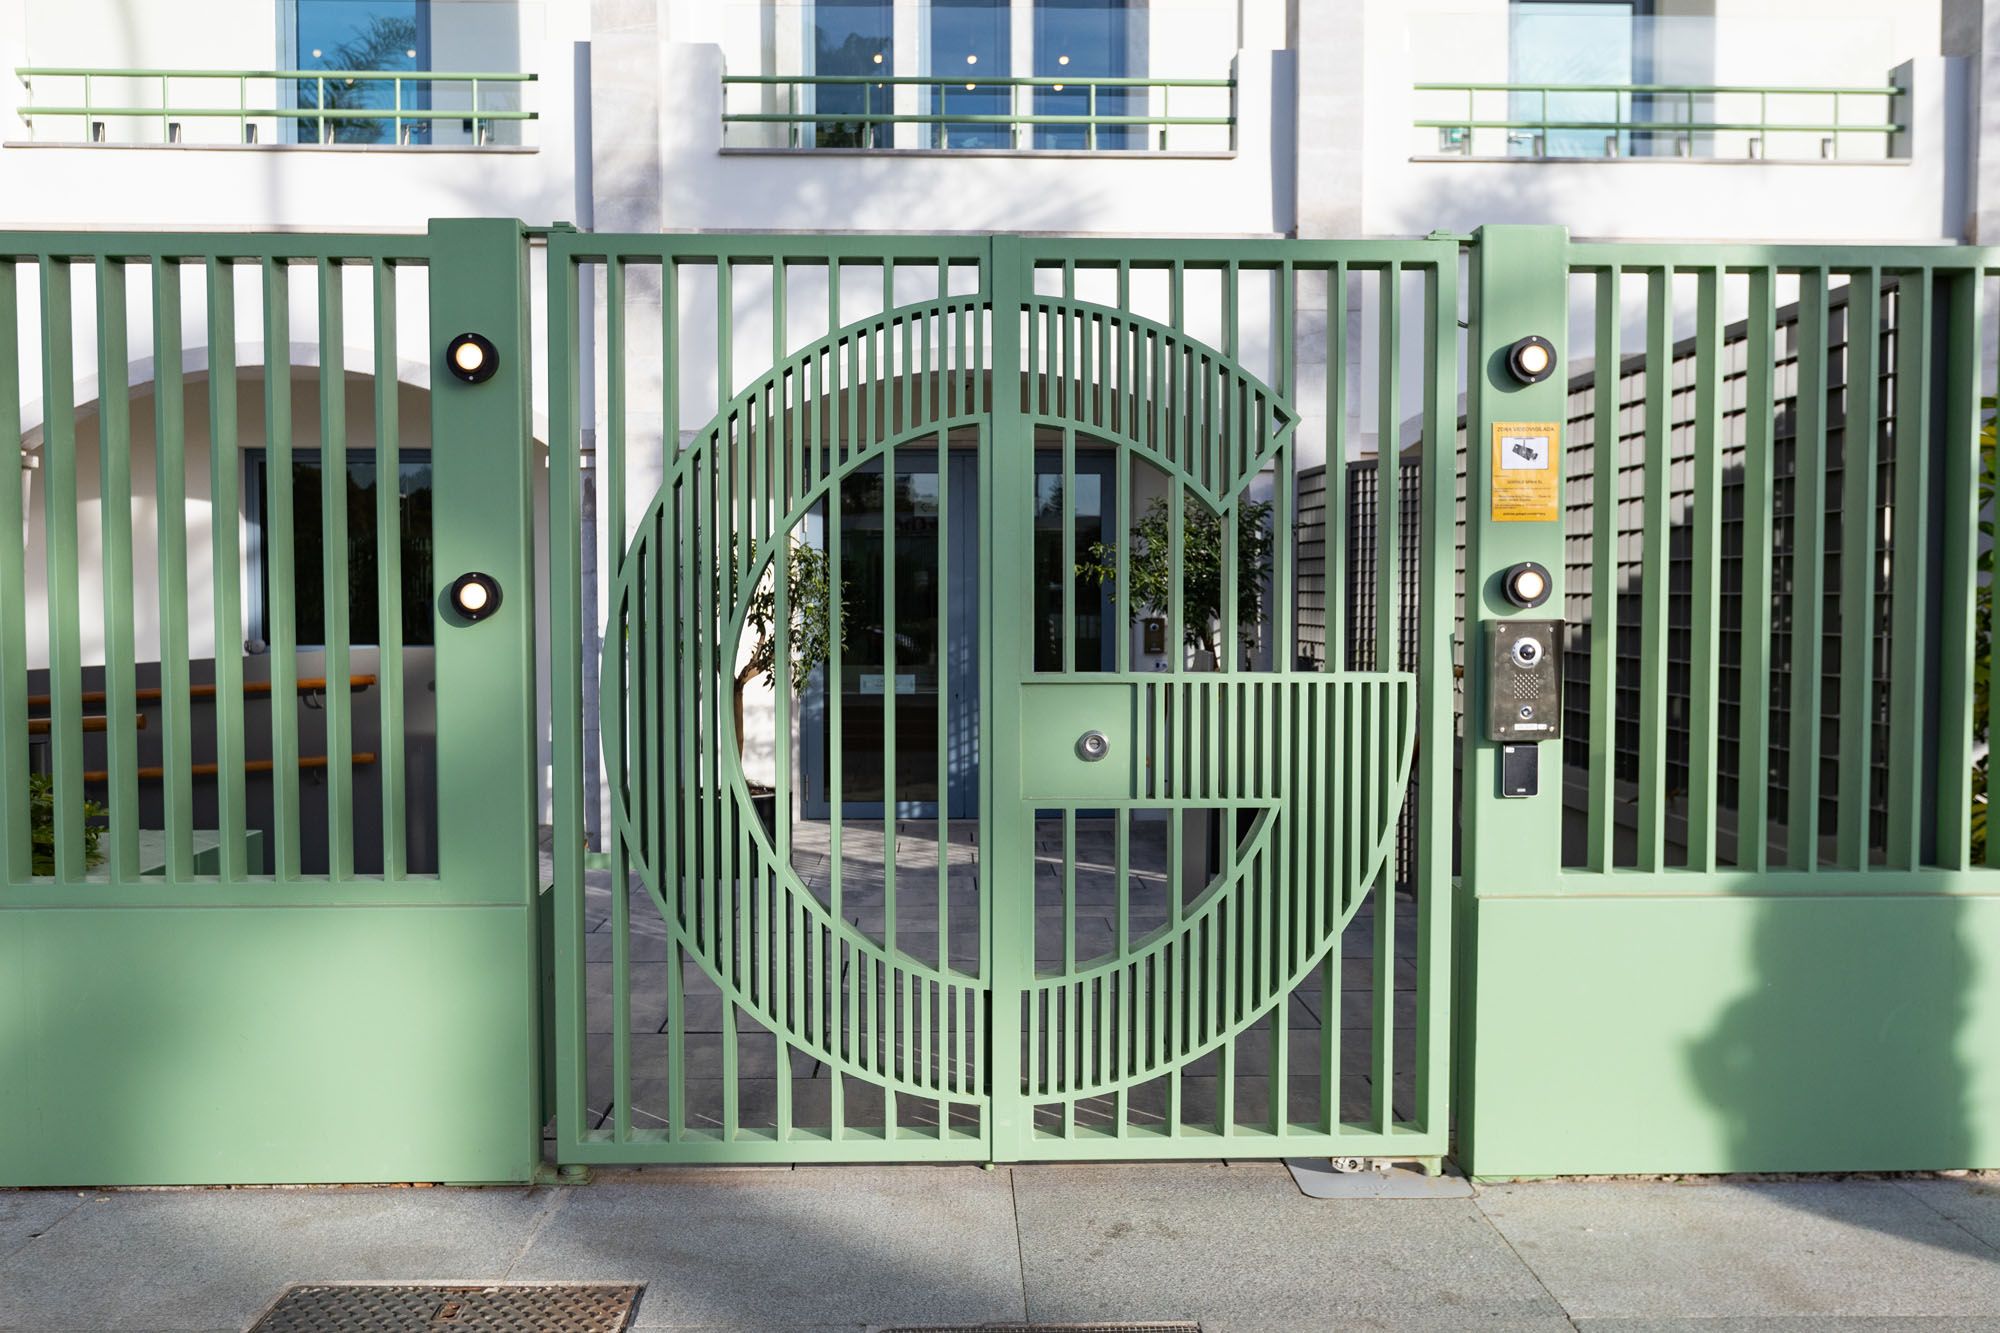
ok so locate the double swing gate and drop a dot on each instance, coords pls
(973, 794)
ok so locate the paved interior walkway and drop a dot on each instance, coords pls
(1236, 1247)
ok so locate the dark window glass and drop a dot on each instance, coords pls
(866, 684)
(972, 38)
(309, 587)
(853, 37)
(1082, 39)
(362, 35)
(1085, 513)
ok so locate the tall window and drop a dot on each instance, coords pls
(1085, 38)
(1577, 41)
(973, 38)
(853, 39)
(366, 36)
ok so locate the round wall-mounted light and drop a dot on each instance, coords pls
(475, 596)
(1527, 584)
(1532, 359)
(472, 357)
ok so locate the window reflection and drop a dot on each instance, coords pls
(852, 38)
(973, 38)
(1084, 38)
(388, 35)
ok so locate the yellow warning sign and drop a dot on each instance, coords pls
(1524, 474)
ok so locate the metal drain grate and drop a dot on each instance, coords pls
(437, 1307)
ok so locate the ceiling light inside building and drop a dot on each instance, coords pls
(1062, 60)
(972, 60)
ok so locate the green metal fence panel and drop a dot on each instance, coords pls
(203, 799)
(886, 979)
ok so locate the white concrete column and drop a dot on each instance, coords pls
(1332, 115)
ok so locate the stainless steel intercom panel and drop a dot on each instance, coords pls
(1524, 681)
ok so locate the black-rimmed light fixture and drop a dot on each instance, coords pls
(474, 596)
(472, 357)
(1526, 585)
(1532, 359)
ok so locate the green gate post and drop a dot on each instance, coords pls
(1519, 287)
(1006, 821)
(481, 457)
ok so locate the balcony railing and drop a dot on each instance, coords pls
(872, 122)
(1687, 119)
(322, 96)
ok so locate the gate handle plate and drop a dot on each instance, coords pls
(1092, 746)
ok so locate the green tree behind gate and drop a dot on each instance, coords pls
(1152, 571)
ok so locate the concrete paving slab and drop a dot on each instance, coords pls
(199, 1259)
(1238, 1248)
(1795, 1323)
(26, 1215)
(1739, 1249)
(750, 1248)
(1972, 1202)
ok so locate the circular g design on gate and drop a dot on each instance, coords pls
(1309, 768)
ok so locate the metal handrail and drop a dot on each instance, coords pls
(871, 119)
(1625, 117)
(400, 115)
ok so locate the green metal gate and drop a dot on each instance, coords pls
(1144, 944)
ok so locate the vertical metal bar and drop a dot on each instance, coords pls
(1808, 570)
(225, 461)
(1604, 450)
(1909, 568)
(624, 711)
(1067, 517)
(566, 700)
(1336, 656)
(1388, 467)
(114, 441)
(1435, 812)
(1705, 650)
(59, 501)
(1859, 434)
(1957, 579)
(333, 566)
(389, 609)
(784, 415)
(1652, 839)
(170, 489)
(16, 859)
(1759, 412)
(280, 609)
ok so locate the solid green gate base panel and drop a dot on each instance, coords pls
(263, 1045)
(1721, 1034)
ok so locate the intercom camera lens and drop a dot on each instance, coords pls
(1527, 652)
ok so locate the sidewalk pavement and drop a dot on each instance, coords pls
(1236, 1247)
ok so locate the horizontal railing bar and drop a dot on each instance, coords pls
(885, 118)
(307, 75)
(1774, 882)
(1773, 90)
(238, 247)
(1658, 126)
(1590, 257)
(276, 113)
(989, 81)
